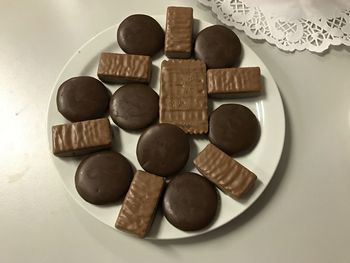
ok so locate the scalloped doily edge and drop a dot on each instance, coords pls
(320, 49)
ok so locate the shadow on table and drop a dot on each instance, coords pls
(335, 48)
(253, 211)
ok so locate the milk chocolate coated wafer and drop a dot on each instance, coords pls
(229, 175)
(124, 68)
(231, 82)
(140, 204)
(183, 95)
(81, 137)
(178, 33)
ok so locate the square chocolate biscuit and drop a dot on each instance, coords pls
(183, 95)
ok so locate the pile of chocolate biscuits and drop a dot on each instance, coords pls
(198, 67)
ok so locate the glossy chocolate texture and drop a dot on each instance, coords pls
(190, 202)
(218, 47)
(234, 129)
(163, 149)
(140, 35)
(226, 173)
(103, 178)
(134, 106)
(178, 32)
(140, 204)
(80, 138)
(183, 95)
(124, 68)
(234, 82)
(82, 98)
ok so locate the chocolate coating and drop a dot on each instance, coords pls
(140, 204)
(124, 68)
(226, 173)
(82, 98)
(233, 128)
(103, 177)
(163, 149)
(179, 31)
(183, 95)
(218, 47)
(234, 82)
(134, 106)
(79, 138)
(190, 202)
(140, 35)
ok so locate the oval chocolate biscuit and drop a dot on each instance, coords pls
(134, 106)
(140, 35)
(233, 128)
(82, 98)
(103, 177)
(190, 202)
(218, 47)
(163, 149)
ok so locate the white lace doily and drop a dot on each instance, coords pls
(296, 29)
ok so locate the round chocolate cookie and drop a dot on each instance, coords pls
(103, 177)
(134, 106)
(190, 202)
(218, 47)
(233, 128)
(140, 35)
(82, 98)
(163, 149)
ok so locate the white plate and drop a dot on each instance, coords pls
(263, 160)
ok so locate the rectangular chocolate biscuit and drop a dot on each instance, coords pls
(226, 173)
(178, 32)
(183, 95)
(124, 68)
(140, 204)
(81, 137)
(234, 82)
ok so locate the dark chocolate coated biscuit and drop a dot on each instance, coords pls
(218, 47)
(140, 35)
(163, 149)
(134, 106)
(82, 98)
(233, 128)
(190, 202)
(103, 177)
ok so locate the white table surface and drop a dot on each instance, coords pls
(303, 216)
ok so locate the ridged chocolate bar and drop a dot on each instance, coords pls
(178, 32)
(81, 137)
(140, 204)
(124, 68)
(233, 82)
(226, 173)
(183, 95)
